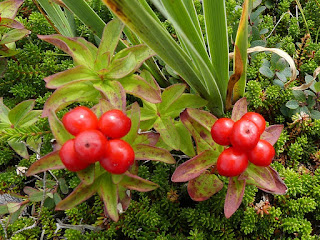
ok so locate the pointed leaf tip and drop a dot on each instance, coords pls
(239, 109)
(234, 196)
(272, 133)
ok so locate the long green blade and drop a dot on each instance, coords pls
(217, 38)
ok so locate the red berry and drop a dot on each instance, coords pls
(80, 119)
(262, 154)
(221, 131)
(69, 158)
(257, 119)
(118, 157)
(89, 145)
(232, 162)
(114, 124)
(245, 135)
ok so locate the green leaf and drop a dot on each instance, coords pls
(4, 111)
(108, 192)
(110, 37)
(147, 152)
(299, 95)
(170, 95)
(81, 91)
(77, 73)
(234, 196)
(80, 194)
(20, 111)
(217, 38)
(199, 124)
(113, 92)
(119, 68)
(147, 138)
(102, 107)
(58, 130)
(168, 132)
(80, 53)
(48, 162)
(31, 118)
(116, 178)
(195, 166)
(10, 8)
(266, 71)
(146, 75)
(315, 114)
(4, 209)
(14, 35)
(20, 148)
(292, 104)
(137, 183)
(138, 87)
(203, 187)
(184, 101)
(317, 86)
(87, 175)
(135, 123)
(13, 207)
(63, 185)
(186, 145)
(36, 197)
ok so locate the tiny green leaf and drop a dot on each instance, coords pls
(265, 71)
(292, 104)
(170, 95)
(299, 95)
(20, 148)
(315, 114)
(168, 132)
(63, 186)
(20, 111)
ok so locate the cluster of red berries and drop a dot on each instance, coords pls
(97, 140)
(246, 145)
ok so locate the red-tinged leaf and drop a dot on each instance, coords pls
(87, 175)
(81, 91)
(194, 166)
(116, 178)
(168, 132)
(80, 53)
(234, 196)
(30, 190)
(58, 130)
(76, 73)
(124, 195)
(272, 133)
(10, 8)
(119, 68)
(265, 178)
(113, 92)
(109, 194)
(101, 64)
(11, 23)
(110, 37)
(13, 207)
(147, 152)
(239, 109)
(148, 138)
(146, 75)
(170, 95)
(14, 35)
(135, 123)
(140, 52)
(137, 183)
(199, 124)
(102, 107)
(139, 87)
(203, 187)
(48, 162)
(80, 194)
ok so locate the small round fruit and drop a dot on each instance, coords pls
(262, 154)
(69, 158)
(80, 119)
(114, 124)
(245, 135)
(221, 131)
(232, 162)
(89, 145)
(118, 157)
(257, 119)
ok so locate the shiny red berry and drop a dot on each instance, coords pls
(69, 158)
(245, 135)
(262, 154)
(114, 124)
(232, 162)
(257, 119)
(80, 119)
(118, 157)
(221, 131)
(90, 145)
